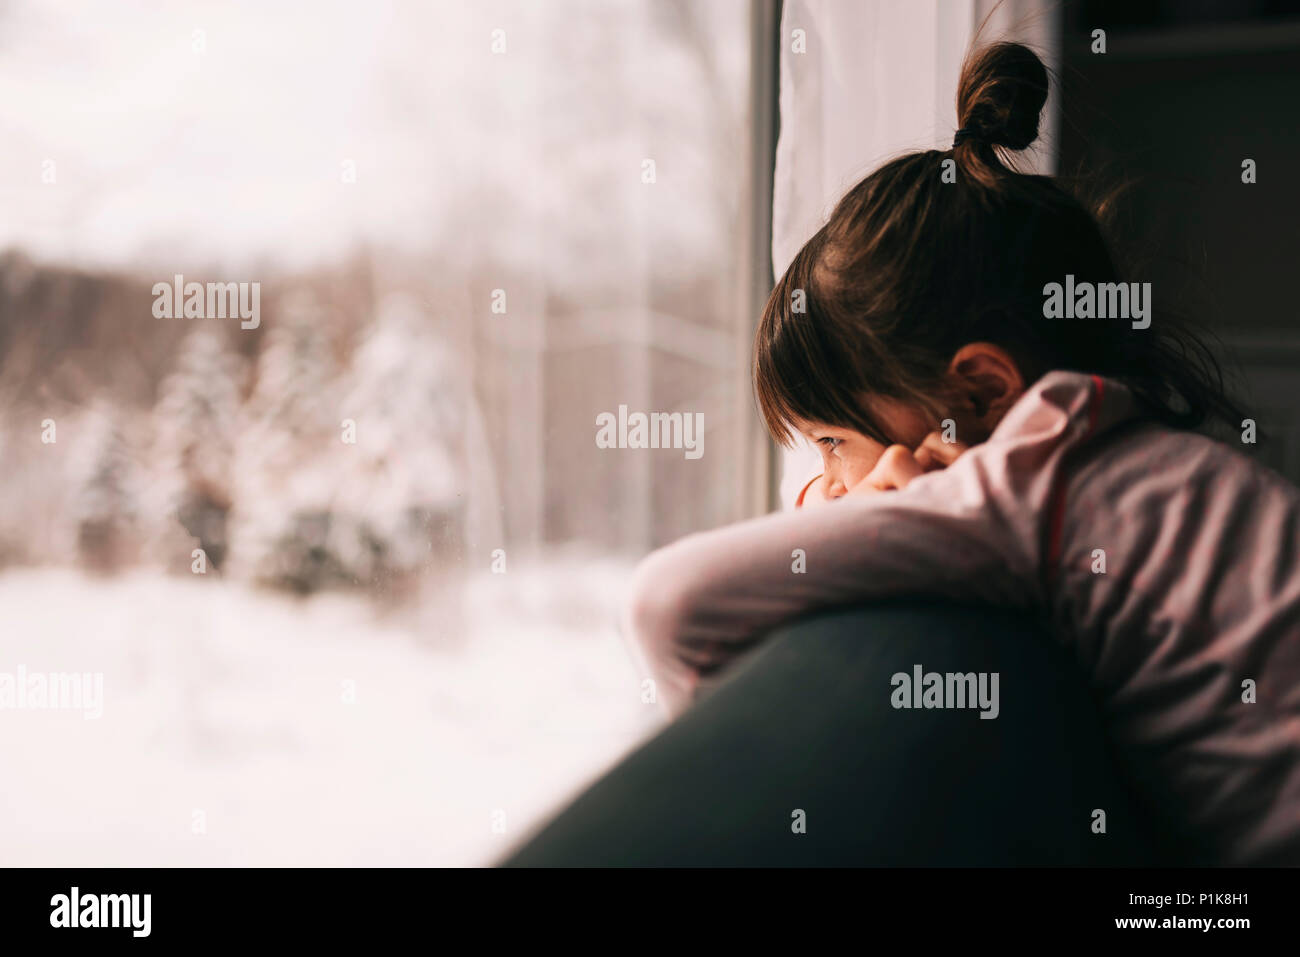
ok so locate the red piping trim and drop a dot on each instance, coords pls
(798, 503)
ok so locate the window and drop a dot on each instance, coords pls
(309, 323)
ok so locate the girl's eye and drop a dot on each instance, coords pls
(829, 442)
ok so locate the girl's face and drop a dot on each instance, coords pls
(848, 455)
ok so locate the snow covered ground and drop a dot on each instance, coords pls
(246, 728)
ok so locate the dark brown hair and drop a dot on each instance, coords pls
(910, 268)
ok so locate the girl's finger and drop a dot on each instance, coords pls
(934, 453)
(895, 468)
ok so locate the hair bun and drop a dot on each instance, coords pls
(1001, 94)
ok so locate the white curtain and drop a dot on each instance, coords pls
(867, 80)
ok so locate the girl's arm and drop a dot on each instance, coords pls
(701, 601)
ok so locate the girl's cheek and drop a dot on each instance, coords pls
(845, 467)
(844, 472)
(862, 466)
(836, 481)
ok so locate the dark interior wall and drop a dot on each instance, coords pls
(1183, 94)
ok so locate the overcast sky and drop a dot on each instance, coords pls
(164, 153)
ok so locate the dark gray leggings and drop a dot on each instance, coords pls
(806, 724)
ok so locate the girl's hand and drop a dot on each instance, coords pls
(898, 465)
(934, 453)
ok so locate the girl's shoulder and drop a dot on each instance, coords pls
(1101, 429)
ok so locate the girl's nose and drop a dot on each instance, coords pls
(835, 487)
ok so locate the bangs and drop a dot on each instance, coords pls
(802, 371)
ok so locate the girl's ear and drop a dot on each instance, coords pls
(987, 382)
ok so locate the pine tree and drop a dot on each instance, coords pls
(284, 482)
(106, 508)
(398, 503)
(195, 422)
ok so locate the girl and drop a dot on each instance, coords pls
(976, 450)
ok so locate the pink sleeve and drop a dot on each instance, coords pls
(698, 603)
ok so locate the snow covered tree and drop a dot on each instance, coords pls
(284, 478)
(397, 505)
(106, 509)
(195, 423)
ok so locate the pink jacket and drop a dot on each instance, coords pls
(1200, 593)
